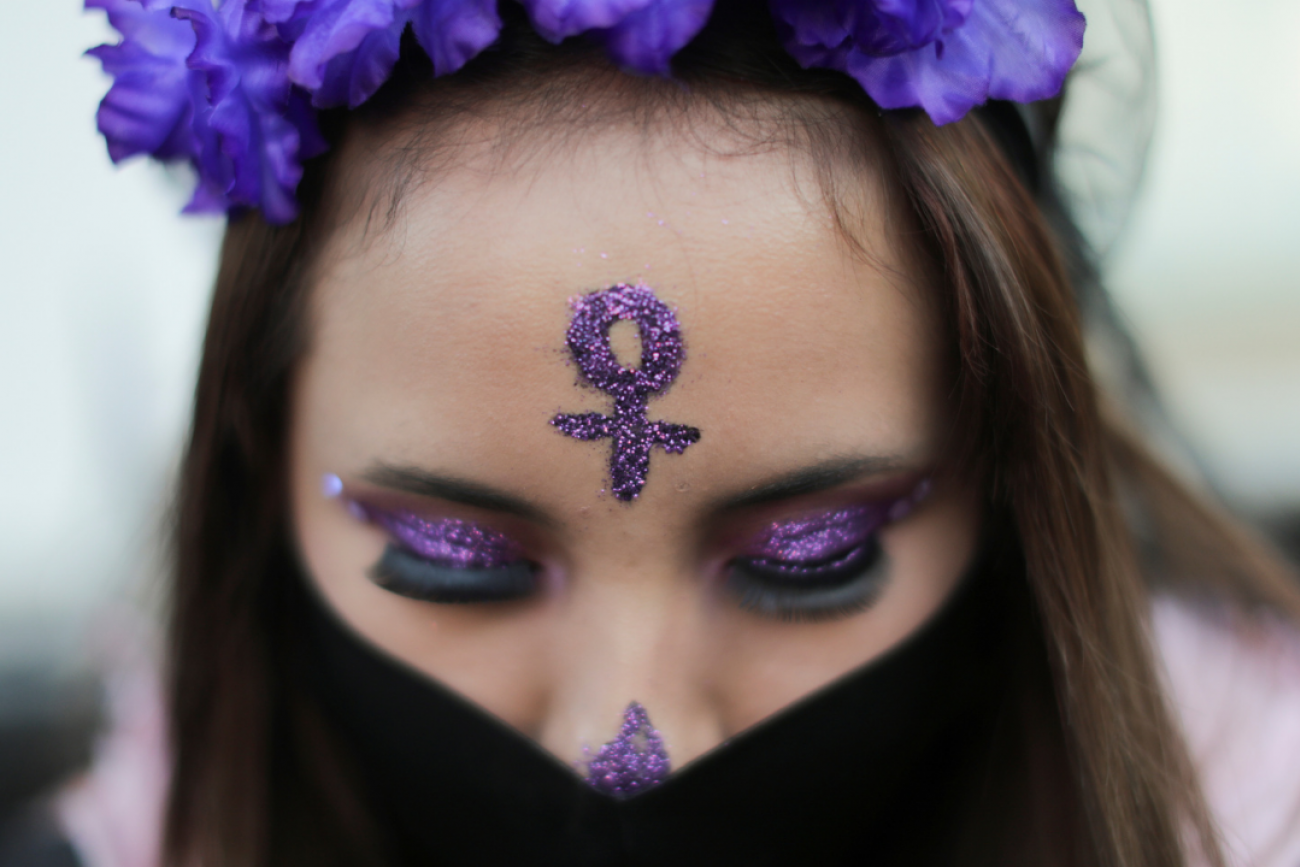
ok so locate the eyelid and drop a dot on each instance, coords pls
(450, 542)
(819, 535)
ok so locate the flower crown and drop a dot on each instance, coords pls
(234, 87)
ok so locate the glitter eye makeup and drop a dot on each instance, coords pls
(818, 567)
(448, 560)
(633, 435)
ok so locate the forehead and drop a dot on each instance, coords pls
(440, 340)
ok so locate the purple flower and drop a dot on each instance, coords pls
(230, 84)
(646, 40)
(279, 11)
(344, 50)
(453, 32)
(640, 35)
(253, 130)
(208, 85)
(556, 20)
(888, 27)
(945, 56)
(149, 107)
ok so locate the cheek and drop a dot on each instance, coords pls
(498, 660)
(332, 551)
(770, 665)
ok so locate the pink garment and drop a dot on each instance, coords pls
(112, 815)
(1235, 687)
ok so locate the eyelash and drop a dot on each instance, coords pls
(408, 574)
(845, 583)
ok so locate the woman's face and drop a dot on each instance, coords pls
(486, 531)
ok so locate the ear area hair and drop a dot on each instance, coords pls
(1031, 424)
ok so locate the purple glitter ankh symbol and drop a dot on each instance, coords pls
(632, 433)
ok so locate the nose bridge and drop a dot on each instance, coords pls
(632, 631)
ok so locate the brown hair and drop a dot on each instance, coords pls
(258, 779)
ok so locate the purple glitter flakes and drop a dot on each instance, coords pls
(821, 536)
(633, 435)
(447, 541)
(634, 761)
(796, 545)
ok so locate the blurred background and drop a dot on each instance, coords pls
(104, 290)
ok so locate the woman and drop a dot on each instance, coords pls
(600, 469)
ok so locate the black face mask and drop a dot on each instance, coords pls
(892, 764)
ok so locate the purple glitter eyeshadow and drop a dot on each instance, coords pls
(634, 761)
(820, 537)
(447, 541)
(633, 435)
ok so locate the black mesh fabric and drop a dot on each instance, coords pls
(881, 767)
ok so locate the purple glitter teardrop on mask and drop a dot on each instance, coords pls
(633, 435)
(634, 761)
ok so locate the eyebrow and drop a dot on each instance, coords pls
(805, 480)
(425, 483)
(813, 479)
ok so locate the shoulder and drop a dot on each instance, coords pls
(1234, 684)
(113, 814)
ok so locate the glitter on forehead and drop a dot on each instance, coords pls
(447, 541)
(632, 434)
(634, 761)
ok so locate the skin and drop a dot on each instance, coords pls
(438, 345)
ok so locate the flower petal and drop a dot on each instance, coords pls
(148, 107)
(250, 133)
(813, 32)
(646, 40)
(281, 11)
(352, 78)
(453, 32)
(945, 86)
(966, 51)
(557, 20)
(330, 29)
(1031, 45)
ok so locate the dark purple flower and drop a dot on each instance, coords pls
(815, 34)
(887, 27)
(149, 107)
(646, 40)
(557, 20)
(254, 129)
(453, 32)
(280, 11)
(945, 56)
(344, 50)
(640, 35)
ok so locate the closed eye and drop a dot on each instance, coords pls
(448, 560)
(846, 584)
(821, 566)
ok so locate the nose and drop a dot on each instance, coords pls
(630, 645)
